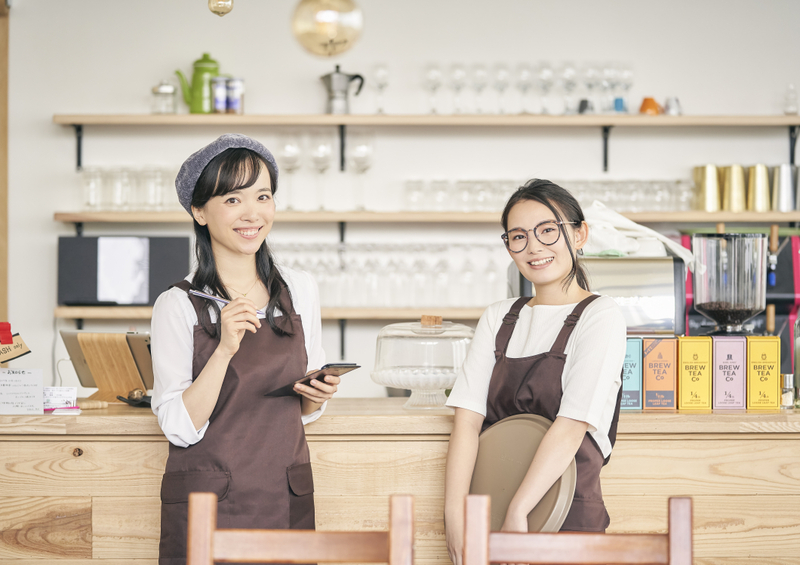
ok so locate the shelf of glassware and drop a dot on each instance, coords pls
(146, 312)
(423, 120)
(686, 217)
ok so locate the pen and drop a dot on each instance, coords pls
(218, 299)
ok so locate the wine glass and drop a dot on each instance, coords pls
(625, 84)
(524, 83)
(458, 80)
(432, 81)
(501, 82)
(360, 150)
(479, 76)
(380, 80)
(610, 83)
(569, 83)
(590, 77)
(546, 80)
(321, 159)
(289, 158)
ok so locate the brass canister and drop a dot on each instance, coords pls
(758, 197)
(733, 189)
(706, 178)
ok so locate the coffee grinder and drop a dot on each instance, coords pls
(730, 279)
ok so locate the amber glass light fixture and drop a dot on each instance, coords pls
(220, 7)
(327, 27)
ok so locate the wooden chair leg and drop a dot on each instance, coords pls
(477, 521)
(202, 523)
(401, 530)
(680, 531)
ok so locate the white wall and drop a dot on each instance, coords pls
(86, 56)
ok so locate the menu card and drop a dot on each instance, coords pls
(21, 391)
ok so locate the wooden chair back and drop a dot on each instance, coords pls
(482, 547)
(207, 545)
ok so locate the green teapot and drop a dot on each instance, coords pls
(198, 95)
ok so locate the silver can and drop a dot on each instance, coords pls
(235, 95)
(219, 94)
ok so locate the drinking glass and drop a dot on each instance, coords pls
(92, 188)
(501, 82)
(569, 83)
(464, 195)
(413, 193)
(120, 187)
(289, 159)
(479, 77)
(458, 80)
(152, 188)
(432, 81)
(321, 159)
(380, 80)
(625, 84)
(440, 195)
(360, 149)
(524, 84)
(590, 77)
(546, 79)
(609, 81)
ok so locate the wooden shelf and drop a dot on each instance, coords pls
(146, 312)
(424, 120)
(690, 217)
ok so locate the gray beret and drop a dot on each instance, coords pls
(194, 165)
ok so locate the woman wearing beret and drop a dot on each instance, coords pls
(214, 366)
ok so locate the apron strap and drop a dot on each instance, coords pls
(569, 324)
(509, 323)
(197, 302)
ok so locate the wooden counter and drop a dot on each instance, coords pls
(80, 489)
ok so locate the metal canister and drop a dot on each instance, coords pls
(235, 95)
(219, 94)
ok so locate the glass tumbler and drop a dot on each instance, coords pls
(120, 189)
(152, 189)
(92, 189)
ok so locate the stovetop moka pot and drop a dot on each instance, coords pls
(338, 85)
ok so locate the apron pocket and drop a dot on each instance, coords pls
(176, 485)
(301, 496)
(586, 515)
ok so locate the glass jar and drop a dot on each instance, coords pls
(163, 99)
(422, 357)
(92, 189)
(787, 390)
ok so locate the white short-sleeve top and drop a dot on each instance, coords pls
(172, 346)
(595, 353)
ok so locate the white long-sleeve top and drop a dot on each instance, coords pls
(172, 346)
(592, 371)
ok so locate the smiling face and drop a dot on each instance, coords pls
(240, 220)
(544, 265)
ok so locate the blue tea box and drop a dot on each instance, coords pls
(632, 375)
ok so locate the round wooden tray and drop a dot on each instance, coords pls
(505, 452)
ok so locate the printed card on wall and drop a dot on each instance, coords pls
(21, 392)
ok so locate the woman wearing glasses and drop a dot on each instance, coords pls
(558, 355)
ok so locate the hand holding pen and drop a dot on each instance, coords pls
(237, 317)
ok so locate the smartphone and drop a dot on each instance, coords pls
(337, 369)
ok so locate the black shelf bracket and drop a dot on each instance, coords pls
(793, 131)
(342, 143)
(342, 228)
(606, 133)
(342, 328)
(79, 323)
(79, 146)
(79, 229)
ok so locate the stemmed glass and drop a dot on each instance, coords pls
(360, 150)
(524, 84)
(321, 158)
(625, 84)
(432, 81)
(480, 80)
(458, 80)
(380, 80)
(546, 78)
(569, 83)
(502, 80)
(609, 82)
(289, 158)
(590, 77)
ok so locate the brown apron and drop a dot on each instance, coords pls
(532, 385)
(253, 455)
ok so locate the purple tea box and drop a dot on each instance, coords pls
(730, 371)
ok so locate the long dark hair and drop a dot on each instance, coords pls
(232, 169)
(564, 207)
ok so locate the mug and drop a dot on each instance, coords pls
(651, 107)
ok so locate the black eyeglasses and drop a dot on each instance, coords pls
(547, 233)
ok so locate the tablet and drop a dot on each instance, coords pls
(140, 349)
(85, 377)
(337, 369)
